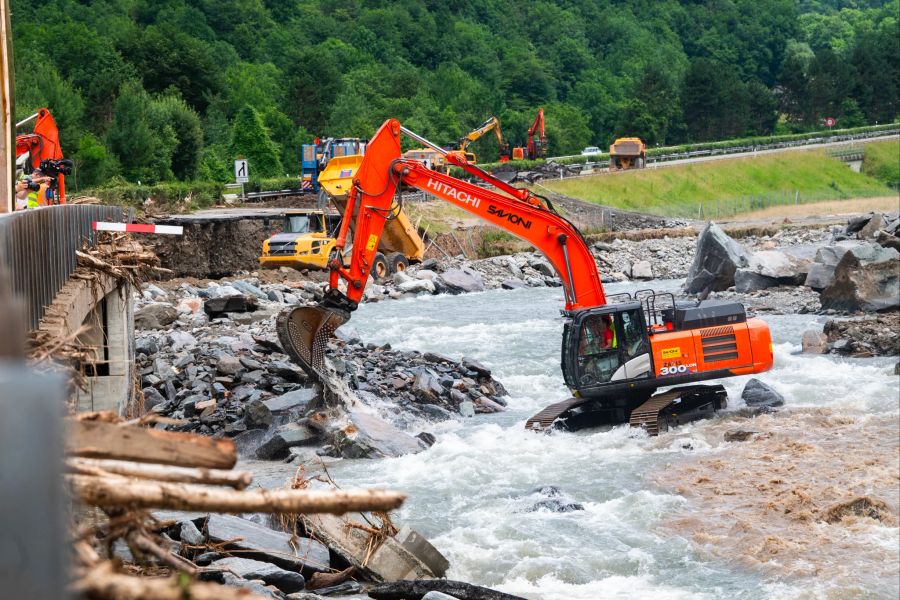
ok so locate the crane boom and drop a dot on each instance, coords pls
(491, 124)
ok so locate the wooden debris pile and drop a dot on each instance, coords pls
(116, 254)
(118, 472)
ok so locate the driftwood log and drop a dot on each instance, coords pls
(94, 466)
(104, 583)
(116, 492)
(415, 589)
(96, 439)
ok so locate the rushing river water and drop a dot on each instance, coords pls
(470, 493)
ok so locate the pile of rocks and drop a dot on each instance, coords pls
(227, 377)
(850, 275)
(869, 336)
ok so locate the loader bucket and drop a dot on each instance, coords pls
(304, 333)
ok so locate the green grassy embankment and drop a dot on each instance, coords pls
(882, 161)
(726, 187)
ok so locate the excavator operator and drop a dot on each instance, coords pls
(597, 350)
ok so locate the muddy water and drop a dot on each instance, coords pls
(648, 527)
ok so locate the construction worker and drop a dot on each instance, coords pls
(608, 338)
(597, 350)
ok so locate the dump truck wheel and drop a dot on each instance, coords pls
(397, 262)
(380, 267)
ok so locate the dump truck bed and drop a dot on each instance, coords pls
(399, 234)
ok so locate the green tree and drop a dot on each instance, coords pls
(130, 137)
(94, 166)
(250, 139)
(172, 112)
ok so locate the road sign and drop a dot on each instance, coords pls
(241, 171)
(830, 121)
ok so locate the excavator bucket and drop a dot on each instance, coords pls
(304, 333)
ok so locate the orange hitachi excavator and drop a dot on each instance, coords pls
(536, 148)
(616, 351)
(40, 149)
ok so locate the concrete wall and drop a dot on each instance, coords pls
(111, 331)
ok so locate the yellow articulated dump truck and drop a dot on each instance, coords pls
(304, 242)
(400, 243)
(627, 153)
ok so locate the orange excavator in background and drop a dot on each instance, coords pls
(40, 149)
(536, 148)
(616, 351)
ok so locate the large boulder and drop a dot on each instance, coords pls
(285, 437)
(459, 281)
(155, 316)
(770, 268)
(867, 278)
(368, 436)
(254, 541)
(758, 394)
(821, 271)
(715, 261)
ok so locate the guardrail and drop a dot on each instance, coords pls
(37, 249)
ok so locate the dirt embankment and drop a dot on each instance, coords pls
(213, 249)
(810, 492)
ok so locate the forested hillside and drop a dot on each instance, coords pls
(152, 90)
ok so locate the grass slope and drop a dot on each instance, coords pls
(768, 178)
(882, 161)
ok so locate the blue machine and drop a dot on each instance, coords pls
(315, 157)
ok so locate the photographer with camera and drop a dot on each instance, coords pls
(33, 190)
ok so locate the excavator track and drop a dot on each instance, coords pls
(678, 406)
(544, 419)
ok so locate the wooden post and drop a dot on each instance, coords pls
(7, 113)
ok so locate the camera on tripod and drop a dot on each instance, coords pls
(56, 167)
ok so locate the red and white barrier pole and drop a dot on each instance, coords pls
(139, 228)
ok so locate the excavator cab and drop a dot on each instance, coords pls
(606, 347)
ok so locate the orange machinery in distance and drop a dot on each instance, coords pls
(535, 148)
(656, 341)
(44, 152)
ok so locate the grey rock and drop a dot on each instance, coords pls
(215, 307)
(428, 438)
(249, 288)
(868, 231)
(785, 268)
(426, 388)
(739, 435)
(229, 365)
(436, 595)
(544, 268)
(190, 535)
(474, 365)
(298, 401)
(163, 369)
(155, 316)
(416, 286)
(716, 259)
(746, 280)
(284, 580)
(433, 411)
(814, 342)
(855, 224)
(257, 415)
(261, 543)
(146, 346)
(248, 441)
(369, 436)
(642, 269)
(285, 437)
(254, 587)
(400, 278)
(513, 284)
(152, 398)
(867, 278)
(757, 393)
(458, 281)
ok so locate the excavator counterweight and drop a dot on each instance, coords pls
(616, 352)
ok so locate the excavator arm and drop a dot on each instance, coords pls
(372, 202)
(537, 149)
(492, 124)
(42, 144)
